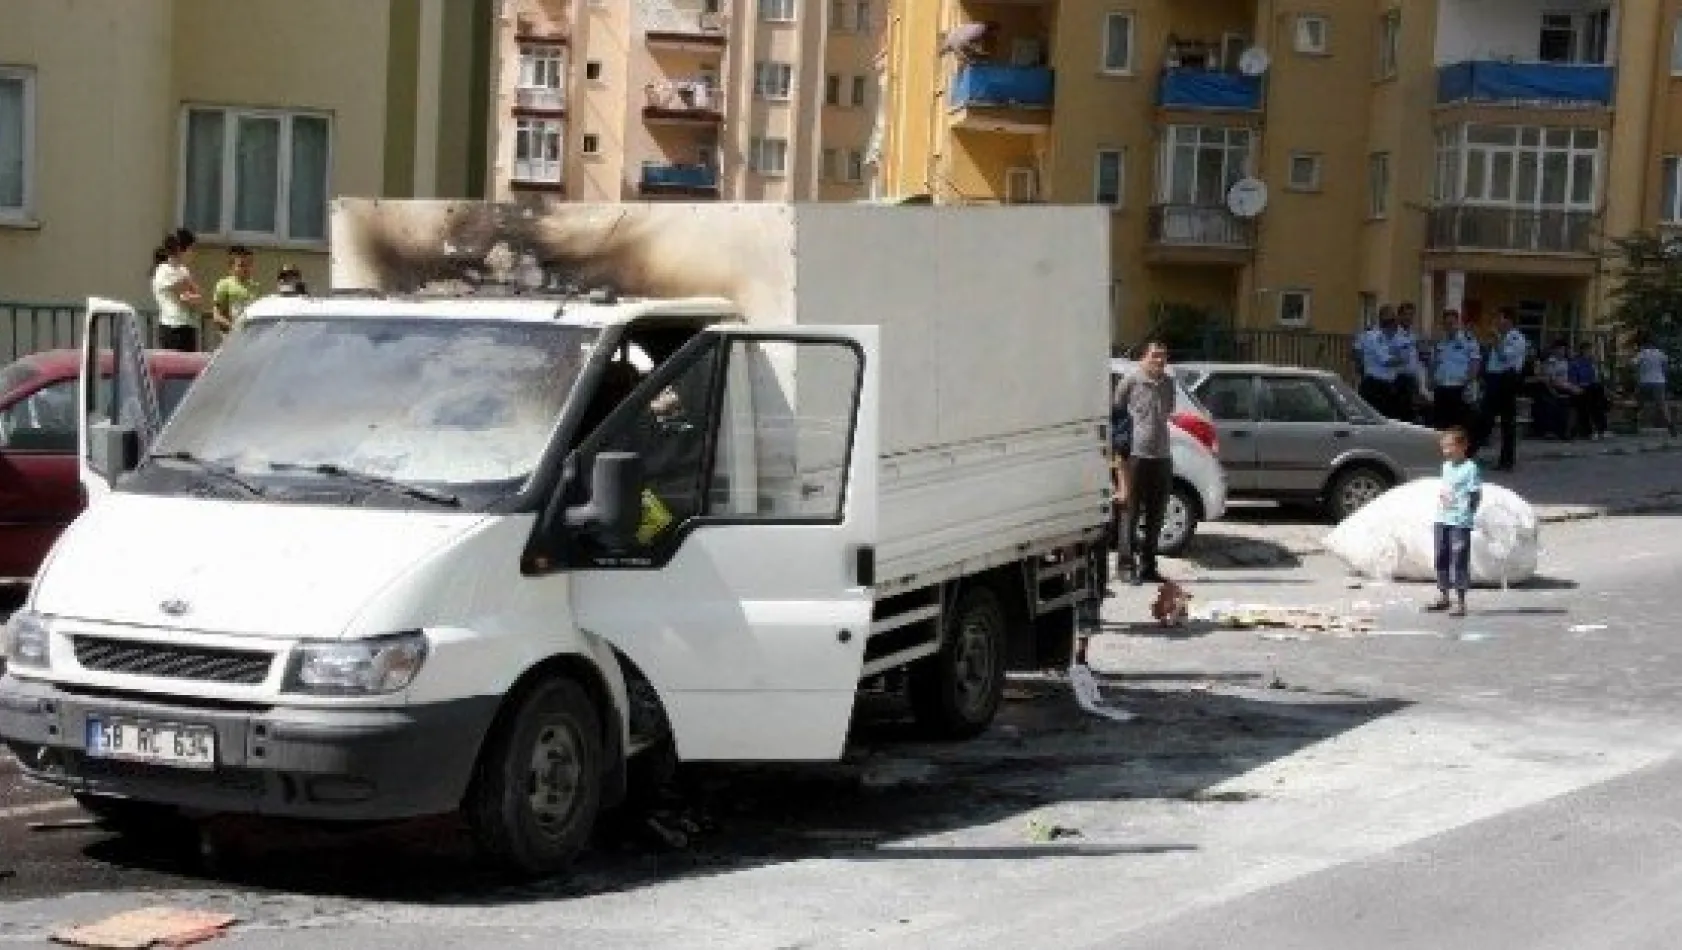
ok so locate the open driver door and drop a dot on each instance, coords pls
(119, 417)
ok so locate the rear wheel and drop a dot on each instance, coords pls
(1354, 488)
(956, 693)
(534, 801)
(1179, 521)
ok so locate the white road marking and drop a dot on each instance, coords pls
(40, 808)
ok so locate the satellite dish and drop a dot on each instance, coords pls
(1247, 197)
(1253, 61)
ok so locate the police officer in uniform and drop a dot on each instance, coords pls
(1503, 374)
(1454, 364)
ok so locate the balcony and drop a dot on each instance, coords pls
(531, 29)
(1533, 85)
(1206, 90)
(1199, 234)
(540, 100)
(1461, 228)
(684, 102)
(695, 30)
(536, 174)
(999, 98)
(678, 181)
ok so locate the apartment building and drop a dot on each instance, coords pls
(609, 100)
(120, 119)
(1458, 153)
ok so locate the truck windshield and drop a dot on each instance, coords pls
(441, 403)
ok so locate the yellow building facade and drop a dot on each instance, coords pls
(1466, 154)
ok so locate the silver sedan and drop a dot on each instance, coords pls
(1303, 435)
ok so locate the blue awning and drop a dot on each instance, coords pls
(1560, 83)
(1203, 89)
(986, 84)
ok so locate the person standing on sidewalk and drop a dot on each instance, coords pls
(1591, 392)
(1652, 389)
(235, 291)
(1147, 396)
(1410, 381)
(1379, 364)
(176, 293)
(1455, 361)
(1457, 509)
(1502, 376)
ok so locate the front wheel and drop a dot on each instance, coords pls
(956, 693)
(534, 801)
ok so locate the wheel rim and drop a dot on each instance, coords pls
(1358, 490)
(1176, 518)
(976, 662)
(555, 776)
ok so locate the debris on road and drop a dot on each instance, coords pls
(1265, 616)
(1091, 698)
(148, 927)
(1041, 831)
(1587, 628)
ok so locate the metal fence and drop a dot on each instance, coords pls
(27, 328)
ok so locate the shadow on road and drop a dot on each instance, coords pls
(893, 790)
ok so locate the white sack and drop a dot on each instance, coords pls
(1392, 538)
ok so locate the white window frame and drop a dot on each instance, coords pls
(1456, 168)
(1119, 155)
(1588, 32)
(533, 129)
(1378, 185)
(24, 212)
(1018, 193)
(1236, 145)
(761, 148)
(1317, 163)
(1676, 46)
(1304, 42)
(1105, 64)
(1299, 293)
(773, 80)
(281, 237)
(1387, 58)
(777, 11)
(1670, 190)
(536, 59)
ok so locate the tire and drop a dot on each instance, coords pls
(558, 721)
(125, 815)
(956, 693)
(1353, 487)
(1179, 521)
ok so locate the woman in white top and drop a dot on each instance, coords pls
(176, 292)
(1651, 390)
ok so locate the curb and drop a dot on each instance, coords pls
(1643, 448)
(1668, 503)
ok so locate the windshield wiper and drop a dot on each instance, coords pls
(373, 481)
(225, 472)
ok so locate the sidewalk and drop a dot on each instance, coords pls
(1542, 450)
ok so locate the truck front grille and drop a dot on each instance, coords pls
(172, 661)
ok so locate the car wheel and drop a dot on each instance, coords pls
(534, 801)
(1355, 487)
(956, 692)
(1179, 521)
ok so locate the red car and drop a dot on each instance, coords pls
(40, 481)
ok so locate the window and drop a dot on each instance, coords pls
(1389, 43)
(593, 70)
(1021, 186)
(1368, 305)
(45, 421)
(17, 143)
(255, 174)
(855, 166)
(1518, 166)
(1574, 37)
(1294, 308)
(772, 80)
(1201, 163)
(1378, 184)
(1229, 398)
(541, 67)
(832, 90)
(1313, 33)
(1291, 399)
(537, 151)
(1108, 177)
(768, 156)
(831, 167)
(1118, 43)
(1559, 38)
(1676, 47)
(838, 10)
(861, 90)
(1305, 171)
(776, 11)
(1670, 210)
(862, 21)
(592, 143)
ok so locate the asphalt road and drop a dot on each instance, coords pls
(1509, 780)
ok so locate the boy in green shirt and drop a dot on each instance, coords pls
(235, 291)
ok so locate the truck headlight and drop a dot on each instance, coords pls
(356, 667)
(26, 642)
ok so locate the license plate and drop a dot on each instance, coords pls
(192, 747)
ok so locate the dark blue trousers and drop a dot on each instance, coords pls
(1454, 558)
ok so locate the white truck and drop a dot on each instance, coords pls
(537, 503)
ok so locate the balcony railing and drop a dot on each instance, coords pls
(987, 84)
(1479, 228)
(541, 98)
(1199, 226)
(1552, 85)
(539, 171)
(673, 27)
(1203, 89)
(685, 100)
(660, 178)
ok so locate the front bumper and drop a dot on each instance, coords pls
(290, 762)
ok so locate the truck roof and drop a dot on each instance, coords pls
(575, 310)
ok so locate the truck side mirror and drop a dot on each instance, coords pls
(615, 506)
(114, 449)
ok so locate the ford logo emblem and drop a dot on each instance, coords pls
(175, 607)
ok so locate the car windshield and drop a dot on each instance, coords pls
(440, 402)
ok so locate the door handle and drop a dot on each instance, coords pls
(1341, 433)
